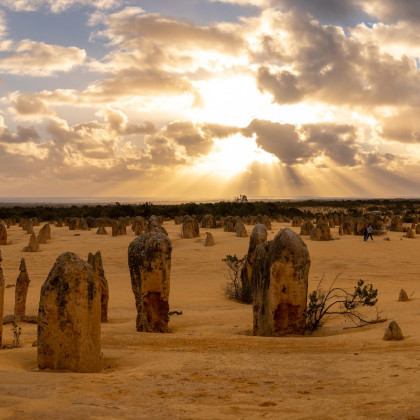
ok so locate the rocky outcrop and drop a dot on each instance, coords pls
(280, 285)
(208, 222)
(3, 233)
(393, 332)
(418, 229)
(263, 219)
(297, 221)
(240, 230)
(190, 228)
(101, 231)
(321, 232)
(348, 226)
(154, 224)
(306, 228)
(21, 290)
(83, 225)
(95, 262)
(33, 245)
(149, 261)
(229, 223)
(44, 234)
(403, 297)
(209, 239)
(258, 236)
(73, 223)
(139, 225)
(69, 317)
(396, 224)
(119, 227)
(409, 234)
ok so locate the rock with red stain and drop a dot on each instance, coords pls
(149, 261)
(280, 285)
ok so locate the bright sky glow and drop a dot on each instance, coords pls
(209, 99)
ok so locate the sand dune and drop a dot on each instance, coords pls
(210, 366)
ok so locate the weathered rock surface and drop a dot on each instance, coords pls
(409, 234)
(155, 225)
(33, 245)
(69, 317)
(306, 228)
(418, 229)
(280, 285)
(208, 221)
(98, 270)
(258, 236)
(149, 261)
(1, 301)
(347, 226)
(209, 239)
(393, 332)
(139, 225)
(403, 297)
(321, 232)
(44, 234)
(297, 221)
(241, 230)
(101, 231)
(21, 290)
(396, 224)
(3, 233)
(190, 228)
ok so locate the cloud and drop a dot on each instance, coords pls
(283, 85)
(330, 67)
(402, 126)
(57, 6)
(281, 140)
(393, 10)
(31, 58)
(336, 141)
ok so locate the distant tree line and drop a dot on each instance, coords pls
(408, 208)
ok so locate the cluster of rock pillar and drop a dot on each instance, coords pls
(278, 271)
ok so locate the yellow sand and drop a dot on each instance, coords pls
(210, 366)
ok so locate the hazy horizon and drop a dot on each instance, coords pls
(206, 98)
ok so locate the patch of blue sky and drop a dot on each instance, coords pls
(202, 12)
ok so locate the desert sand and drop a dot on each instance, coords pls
(210, 366)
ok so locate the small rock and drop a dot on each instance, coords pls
(387, 239)
(393, 332)
(403, 297)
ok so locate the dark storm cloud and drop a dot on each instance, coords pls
(281, 140)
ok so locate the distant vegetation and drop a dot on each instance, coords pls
(305, 209)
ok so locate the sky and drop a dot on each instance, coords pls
(206, 99)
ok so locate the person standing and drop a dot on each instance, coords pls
(369, 231)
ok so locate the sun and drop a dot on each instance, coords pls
(232, 155)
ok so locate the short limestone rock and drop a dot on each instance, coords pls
(280, 285)
(190, 228)
(33, 245)
(321, 232)
(409, 233)
(209, 239)
(306, 228)
(69, 317)
(149, 261)
(101, 231)
(403, 297)
(393, 332)
(241, 230)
